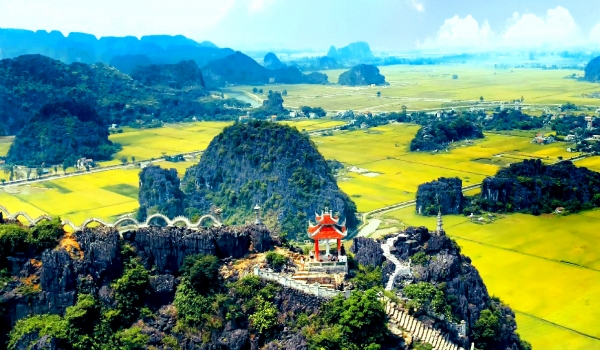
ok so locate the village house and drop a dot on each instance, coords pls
(570, 138)
(540, 139)
(83, 163)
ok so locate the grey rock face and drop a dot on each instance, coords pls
(367, 251)
(166, 248)
(444, 193)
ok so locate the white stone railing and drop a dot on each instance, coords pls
(122, 223)
(419, 330)
(286, 281)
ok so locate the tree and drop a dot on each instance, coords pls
(260, 91)
(403, 107)
(486, 329)
(202, 271)
(39, 171)
(522, 98)
(255, 90)
(284, 93)
(378, 93)
(3, 181)
(55, 169)
(65, 166)
(481, 98)
(133, 159)
(454, 76)
(29, 171)
(123, 160)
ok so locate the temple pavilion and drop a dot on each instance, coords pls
(327, 228)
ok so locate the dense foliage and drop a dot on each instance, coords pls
(273, 105)
(437, 135)
(269, 164)
(15, 239)
(362, 74)
(176, 76)
(426, 296)
(30, 81)
(68, 129)
(318, 111)
(358, 322)
(534, 187)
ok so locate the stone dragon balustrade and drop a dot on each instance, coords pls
(124, 223)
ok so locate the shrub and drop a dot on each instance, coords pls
(51, 325)
(132, 338)
(202, 272)
(420, 258)
(425, 295)
(265, 317)
(276, 261)
(367, 277)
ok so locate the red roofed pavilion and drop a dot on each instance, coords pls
(326, 228)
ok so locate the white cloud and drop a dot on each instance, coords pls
(463, 33)
(558, 28)
(115, 17)
(418, 5)
(595, 34)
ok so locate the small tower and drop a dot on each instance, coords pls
(439, 228)
(258, 221)
(589, 121)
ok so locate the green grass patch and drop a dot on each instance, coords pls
(57, 187)
(123, 189)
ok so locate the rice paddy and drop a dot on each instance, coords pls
(432, 87)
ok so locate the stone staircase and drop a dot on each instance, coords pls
(397, 315)
(401, 268)
(417, 329)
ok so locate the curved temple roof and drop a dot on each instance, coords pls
(327, 227)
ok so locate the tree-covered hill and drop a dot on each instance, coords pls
(354, 52)
(438, 134)
(271, 165)
(363, 74)
(240, 69)
(592, 70)
(176, 76)
(62, 131)
(30, 81)
(534, 187)
(271, 61)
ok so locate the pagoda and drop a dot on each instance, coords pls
(327, 228)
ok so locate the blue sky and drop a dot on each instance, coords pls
(387, 25)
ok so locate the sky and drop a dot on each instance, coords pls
(387, 25)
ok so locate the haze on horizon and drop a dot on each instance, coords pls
(387, 25)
